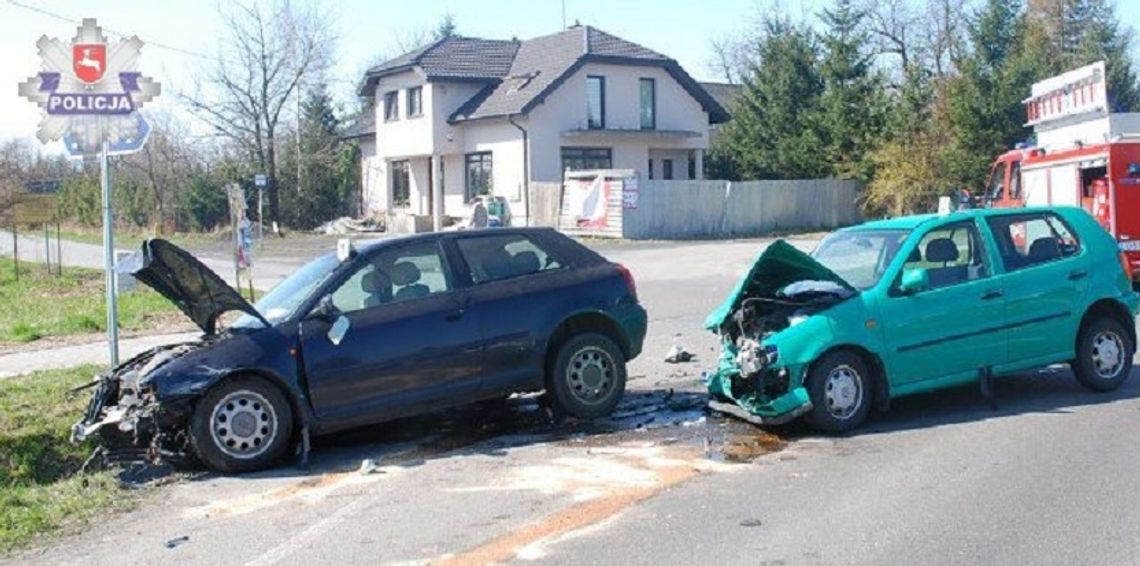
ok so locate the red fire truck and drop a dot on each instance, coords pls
(1084, 156)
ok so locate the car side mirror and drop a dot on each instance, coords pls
(914, 281)
(325, 309)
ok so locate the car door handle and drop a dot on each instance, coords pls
(1077, 275)
(455, 315)
(992, 294)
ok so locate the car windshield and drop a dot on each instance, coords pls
(860, 256)
(279, 303)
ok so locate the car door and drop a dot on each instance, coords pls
(514, 280)
(398, 341)
(1046, 274)
(952, 328)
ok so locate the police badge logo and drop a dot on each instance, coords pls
(89, 89)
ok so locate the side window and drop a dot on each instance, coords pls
(391, 276)
(1025, 240)
(996, 187)
(1015, 180)
(950, 255)
(502, 257)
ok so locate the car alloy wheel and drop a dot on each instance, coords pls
(590, 375)
(243, 424)
(1107, 354)
(843, 392)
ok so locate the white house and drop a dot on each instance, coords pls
(464, 116)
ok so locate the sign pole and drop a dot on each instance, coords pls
(16, 250)
(109, 259)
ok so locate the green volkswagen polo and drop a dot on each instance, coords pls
(919, 303)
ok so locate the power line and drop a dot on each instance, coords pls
(69, 20)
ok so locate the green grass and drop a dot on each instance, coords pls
(130, 240)
(40, 305)
(41, 488)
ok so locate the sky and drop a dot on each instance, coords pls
(180, 35)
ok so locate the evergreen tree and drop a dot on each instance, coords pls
(326, 188)
(851, 105)
(775, 132)
(984, 103)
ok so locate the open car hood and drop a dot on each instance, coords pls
(780, 265)
(186, 282)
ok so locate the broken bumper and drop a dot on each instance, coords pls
(780, 410)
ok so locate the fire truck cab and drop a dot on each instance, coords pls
(1084, 156)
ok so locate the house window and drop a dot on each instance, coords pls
(648, 104)
(391, 108)
(692, 165)
(401, 183)
(415, 102)
(667, 169)
(586, 158)
(595, 102)
(478, 167)
(650, 168)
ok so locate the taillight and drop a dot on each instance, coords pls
(1127, 265)
(628, 276)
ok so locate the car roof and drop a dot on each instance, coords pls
(369, 245)
(913, 221)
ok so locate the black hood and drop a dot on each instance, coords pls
(187, 282)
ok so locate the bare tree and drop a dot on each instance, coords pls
(264, 59)
(164, 164)
(891, 23)
(728, 58)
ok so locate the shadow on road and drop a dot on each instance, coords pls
(490, 429)
(1053, 390)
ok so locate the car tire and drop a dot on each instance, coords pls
(1104, 355)
(841, 392)
(243, 424)
(587, 378)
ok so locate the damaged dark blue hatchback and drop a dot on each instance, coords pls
(394, 328)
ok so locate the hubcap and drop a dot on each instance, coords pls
(843, 392)
(590, 375)
(243, 424)
(1107, 354)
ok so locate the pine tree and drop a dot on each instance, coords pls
(775, 132)
(851, 105)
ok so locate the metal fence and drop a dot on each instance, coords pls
(719, 209)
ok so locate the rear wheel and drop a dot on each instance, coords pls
(588, 376)
(1104, 355)
(839, 386)
(242, 424)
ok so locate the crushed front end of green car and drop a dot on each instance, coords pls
(767, 326)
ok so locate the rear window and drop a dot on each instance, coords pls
(492, 258)
(1026, 240)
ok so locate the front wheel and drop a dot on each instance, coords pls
(1104, 355)
(839, 386)
(241, 425)
(588, 376)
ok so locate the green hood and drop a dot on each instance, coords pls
(780, 265)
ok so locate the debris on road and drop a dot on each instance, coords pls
(177, 541)
(369, 466)
(678, 354)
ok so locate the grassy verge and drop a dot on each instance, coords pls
(41, 489)
(40, 305)
(130, 240)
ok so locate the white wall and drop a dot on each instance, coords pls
(565, 110)
(403, 137)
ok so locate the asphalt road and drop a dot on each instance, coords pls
(1046, 478)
